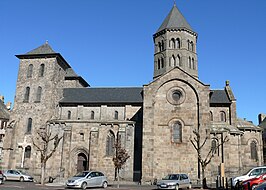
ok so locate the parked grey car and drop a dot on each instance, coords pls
(174, 181)
(16, 175)
(87, 179)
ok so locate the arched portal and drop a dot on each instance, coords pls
(82, 163)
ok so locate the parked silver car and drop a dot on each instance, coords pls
(16, 175)
(87, 179)
(1, 177)
(174, 181)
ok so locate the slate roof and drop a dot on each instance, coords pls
(222, 127)
(4, 113)
(247, 125)
(71, 73)
(219, 97)
(127, 95)
(174, 20)
(43, 49)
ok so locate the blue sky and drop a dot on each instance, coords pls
(109, 42)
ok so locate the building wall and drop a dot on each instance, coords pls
(160, 154)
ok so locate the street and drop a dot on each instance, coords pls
(14, 185)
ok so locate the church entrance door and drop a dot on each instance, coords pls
(82, 164)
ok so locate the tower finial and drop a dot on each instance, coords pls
(46, 42)
(174, 3)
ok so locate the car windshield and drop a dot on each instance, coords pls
(246, 173)
(81, 174)
(171, 177)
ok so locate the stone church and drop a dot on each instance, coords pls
(156, 123)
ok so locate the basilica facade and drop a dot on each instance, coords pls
(156, 123)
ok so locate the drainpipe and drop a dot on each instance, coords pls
(89, 151)
(198, 143)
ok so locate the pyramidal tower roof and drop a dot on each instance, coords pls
(43, 49)
(174, 20)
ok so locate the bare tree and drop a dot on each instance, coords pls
(119, 158)
(199, 145)
(46, 142)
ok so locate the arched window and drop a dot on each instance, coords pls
(39, 94)
(28, 152)
(178, 61)
(110, 143)
(178, 44)
(27, 94)
(222, 116)
(116, 115)
(172, 43)
(193, 64)
(172, 61)
(92, 114)
(68, 114)
(211, 116)
(188, 45)
(191, 46)
(189, 62)
(177, 132)
(159, 46)
(159, 64)
(162, 45)
(214, 147)
(162, 62)
(41, 71)
(29, 72)
(29, 125)
(254, 150)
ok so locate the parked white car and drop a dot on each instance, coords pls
(87, 179)
(250, 174)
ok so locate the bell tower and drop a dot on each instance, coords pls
(175, 45)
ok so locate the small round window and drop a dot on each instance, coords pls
(176, 95)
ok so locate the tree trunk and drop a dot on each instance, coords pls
(118, 186)
(204, 181)
(42, 173)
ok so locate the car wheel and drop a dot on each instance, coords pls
(253, 186)
(105, 184)
(21, 179)
(189, 186)
(4, 178)
(176, 187)
(83, 185)
(1, 181)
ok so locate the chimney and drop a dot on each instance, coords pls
(261, 117)
(8, 105)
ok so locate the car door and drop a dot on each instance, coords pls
(16, 175)
(91, 179)
(185, 180)
(97, 179)
(11, 175)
